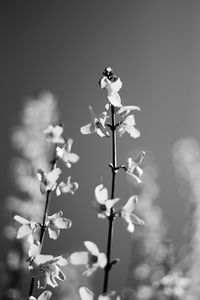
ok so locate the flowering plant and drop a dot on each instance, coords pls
(115, 118)
(44, 268)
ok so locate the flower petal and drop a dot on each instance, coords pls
(88, 129)
(102, 260)
(111, 202)
(101, 194)
(23, 231)
(133, 131)
(21, 220)
(62, 261)
(72, 157)
(88, 272)
(53, 232)
(86, 294)
(46, 295)
(63, 223)
(54, 175)
(136, 220)
(127, 109)
(92, 248)
(79, 258)
(108, 296)
(130, 205)
(42, 258)
(115, 99)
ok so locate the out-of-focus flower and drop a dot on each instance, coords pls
(45, 268)
(173, 284)
(128, 126)
(86, 294)
(127, 294)
(111, 84)
(126, 213)
(92, 258)
(66, 187)
(66, 155)
(48, 180)
(53, 134)
(97, 124)
(102, 203)
(125, 110)
(27, 228)
(55, 223)
(46, 295)
(133, 171)
(145, 292)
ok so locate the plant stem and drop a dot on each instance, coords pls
(43, 226)
(111, 217)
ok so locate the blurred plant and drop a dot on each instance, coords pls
(114, 119)
(187, 162)
(34, 139)
(33, 151)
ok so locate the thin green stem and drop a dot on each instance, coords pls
(43, 226)
(112, 215)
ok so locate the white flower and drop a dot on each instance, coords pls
(45, 268)
(53, 134)
(66, 155)
(133, 170)
(128, 216)
(128, 126)
(92, 258)
(27, 228)
(125, 110)
(55, 223)
(48, 180)
(102, 203)
(46, 295)
(97, 124)
(112, 88)
(68, 187)
(86, 294)
(173, 284)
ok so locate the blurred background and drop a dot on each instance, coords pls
(58, 50)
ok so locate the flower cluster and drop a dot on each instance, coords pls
(45, 269)
(115, 118)
(112, 84)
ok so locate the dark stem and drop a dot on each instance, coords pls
(112, 215)
(43, 225)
